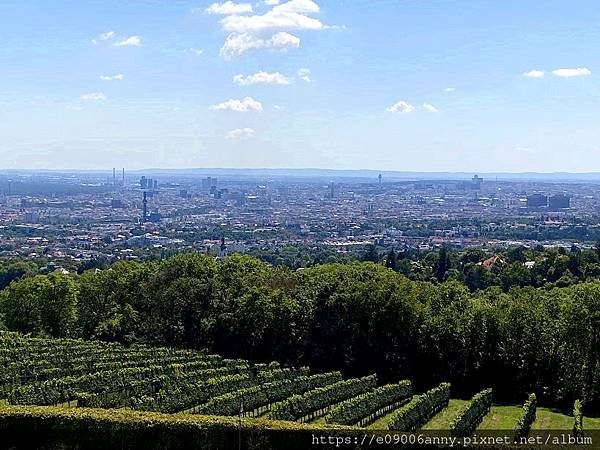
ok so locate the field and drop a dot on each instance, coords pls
(69, 377)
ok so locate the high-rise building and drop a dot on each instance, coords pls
(32, 217)
(537, 200)
(208, 183)
(476, 182)
(331, 190)
(559, 201)
(144, 182)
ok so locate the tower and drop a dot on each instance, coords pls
(144, 208)
(223, 248)
(114, 176)
(379, 177)
(123, 179)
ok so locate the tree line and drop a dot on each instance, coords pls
(358, 317)
(480, 269)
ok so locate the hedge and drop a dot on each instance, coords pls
(352, 411)
(417, 412)
(472, 414)
(527, 419)
(51, 427)
(298, 407)
(258, 396)
(578, 419)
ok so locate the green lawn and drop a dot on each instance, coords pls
(505, 418)
(441, 421)
(550, 419)
(501, 418)
(591, 423)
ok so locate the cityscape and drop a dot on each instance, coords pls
(81, 216)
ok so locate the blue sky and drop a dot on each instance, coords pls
(423, 85)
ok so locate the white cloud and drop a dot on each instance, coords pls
(229, 7)
(568, 73)
(304, 74)
(106, 36)
(237, 44)
(93, 96)
(429, 107)
(261, 77)
(298, 6)
(117, 77)
(195, 51)
(270, 21)
(131, 41)
(449, 89)
(270, 30)
(534, 74)
(401, 107)
(240, 133)
(244, 105)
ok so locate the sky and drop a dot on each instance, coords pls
(409, 85)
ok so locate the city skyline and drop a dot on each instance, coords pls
(414, 86)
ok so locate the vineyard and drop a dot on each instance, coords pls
(187, 389)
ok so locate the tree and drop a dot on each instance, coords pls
(370, 254)
(443, 264)
(390, 260)
(43, 305)
(15, 271)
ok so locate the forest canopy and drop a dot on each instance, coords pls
(358, 317)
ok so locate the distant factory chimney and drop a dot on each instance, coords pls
(114, 176)
(379, 178)
(144, 208)
(123, 180)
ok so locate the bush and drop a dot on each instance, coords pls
(299, 406)
(417, 413)
(527, 419)
(82, 428)
(578, 419)
(353, 410)
(472, 414)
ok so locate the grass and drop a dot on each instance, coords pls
(591, 423)
(551, 419)
(441, 421)
(505, 418)
(501, 418)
